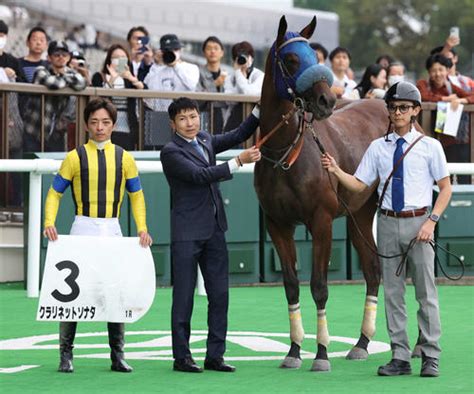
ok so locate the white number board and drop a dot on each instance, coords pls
(89, 278)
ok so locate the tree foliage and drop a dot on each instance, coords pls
(404, 29)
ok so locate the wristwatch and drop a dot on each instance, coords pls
(434, 218)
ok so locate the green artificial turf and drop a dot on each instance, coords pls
(252, 309)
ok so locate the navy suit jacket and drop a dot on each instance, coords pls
(194, 183)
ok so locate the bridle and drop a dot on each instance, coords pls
(286, 75)
(292, 151)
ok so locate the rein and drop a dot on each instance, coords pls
(293, 150)
(283, 121)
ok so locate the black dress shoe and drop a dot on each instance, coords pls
(395, 367)
(65, 365)
(121, 365)
(186, 365)
(218, 364)
(429, 367)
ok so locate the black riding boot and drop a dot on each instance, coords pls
(67, 333)
(116, 342)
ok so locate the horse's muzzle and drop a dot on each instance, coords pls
(320, 112)
(320, 102)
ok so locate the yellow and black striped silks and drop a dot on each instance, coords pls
(98, 178)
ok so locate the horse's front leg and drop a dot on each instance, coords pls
(322, 240)
(282, 237)
(371, 269)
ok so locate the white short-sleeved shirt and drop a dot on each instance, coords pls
(423, 165)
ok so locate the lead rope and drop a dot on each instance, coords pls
(433, 245)
(403, 255)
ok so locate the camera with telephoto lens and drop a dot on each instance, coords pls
(168, 57)
(81, 62)
(242, 58)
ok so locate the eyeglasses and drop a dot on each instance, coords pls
(62, 54)
(392, 108)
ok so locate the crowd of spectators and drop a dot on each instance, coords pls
(145, 66)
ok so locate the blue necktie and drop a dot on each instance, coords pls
(196, 145)
(398, 194)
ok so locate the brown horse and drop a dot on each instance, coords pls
(301, 192)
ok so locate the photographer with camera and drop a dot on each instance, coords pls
(58, 110)
(247, 78)
(78, 63)
(140, 52)
(173, 75)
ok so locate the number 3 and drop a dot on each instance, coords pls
(70, 280)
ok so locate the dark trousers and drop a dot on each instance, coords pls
(67, 333)
(213, 260)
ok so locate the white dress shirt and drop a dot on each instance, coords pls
(422, 166)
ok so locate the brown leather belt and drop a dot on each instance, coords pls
(405, 214)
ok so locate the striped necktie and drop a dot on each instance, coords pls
(196, 145)
(398, 194)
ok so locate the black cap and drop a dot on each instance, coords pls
(3, 27)
(170, 42)
(77, 55)
(57, 46)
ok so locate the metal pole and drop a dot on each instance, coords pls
(141, 122)
(42, 123)
(34, 236)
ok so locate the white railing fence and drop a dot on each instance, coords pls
(37, 167)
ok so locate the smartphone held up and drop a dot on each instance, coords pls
(454, 32)
(143, 42)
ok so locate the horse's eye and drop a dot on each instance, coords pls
(292, 62)
(292, 58)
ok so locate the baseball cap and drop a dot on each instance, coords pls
(77, 55)
(3, 27)
(57, 46)
(170, 42)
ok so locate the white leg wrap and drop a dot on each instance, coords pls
(296, 324)
(323, 333)
(370, 315)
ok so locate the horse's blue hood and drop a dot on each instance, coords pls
(308, 72)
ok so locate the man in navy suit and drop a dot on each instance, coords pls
(198, 224)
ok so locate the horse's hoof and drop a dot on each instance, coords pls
(416, 352)
(321, 366)
(291, 362)
(357, 353)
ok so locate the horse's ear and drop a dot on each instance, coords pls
(281, 31)
(308, 31)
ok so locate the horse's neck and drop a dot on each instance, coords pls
(271, 118)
